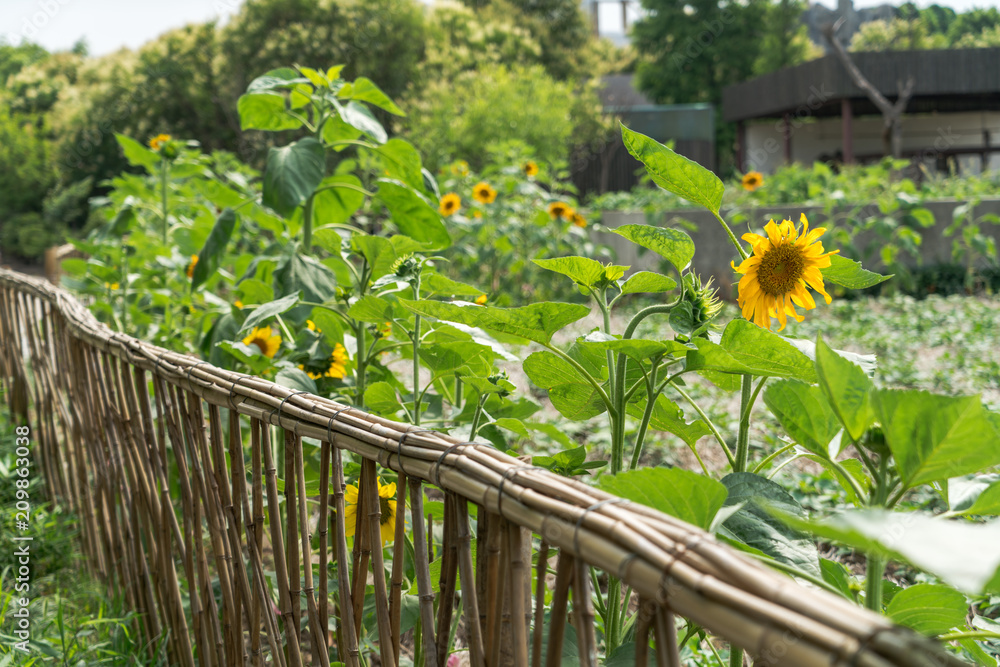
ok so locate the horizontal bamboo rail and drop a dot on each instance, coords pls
(150, 449)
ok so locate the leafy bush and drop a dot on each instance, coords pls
(460, 118)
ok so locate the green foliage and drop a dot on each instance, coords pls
(457, 119)
(693, 49)
(690, 497)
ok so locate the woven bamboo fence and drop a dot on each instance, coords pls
(114, 417)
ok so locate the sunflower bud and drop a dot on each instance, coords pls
(694, 314)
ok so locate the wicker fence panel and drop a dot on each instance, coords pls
(149, 448)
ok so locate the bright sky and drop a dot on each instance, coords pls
(108, 25)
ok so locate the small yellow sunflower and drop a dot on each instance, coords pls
(386, 506)
(238, 304)
(385, 330)
(338, 363)
(752, 180)
(776, 275)
(578, 220)
(484, 193)
(312, 326)
(265, 340)
(190, 268)
(558, 209)
(530, 169)
(481, 299)
(450, 203)
(111, 286)
(156, 143)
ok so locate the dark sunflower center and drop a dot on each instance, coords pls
(385, 512)
(260, 343)
(780, 269)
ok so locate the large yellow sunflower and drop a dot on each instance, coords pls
(265, 340)
(386, 506)
(776, 276)
(578, 220)
(752, 180)
(449, 204)
(484, 193)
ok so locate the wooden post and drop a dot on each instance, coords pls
(786, 130)
(741, 145)
(847, 130)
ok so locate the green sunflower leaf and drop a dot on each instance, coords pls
(675, 173)
(537, 322)
(848, 273)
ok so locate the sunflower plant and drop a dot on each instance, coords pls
(822, 397)
(502, 219)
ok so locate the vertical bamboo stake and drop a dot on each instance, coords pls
(541, 571)
(423, 575)
(449, 571)
(187, 505)
(583, 614)
(348, 635)
(235, 520)
(362, 553)
(398, 550)
(667, 654)
(520, 613)
(470, 595)
(323, 532)
(320, 655)
(496, 587)
(646, 612)
(374, 523)
(262, 599)
(565, 565)
(257, 528)
(193, 425)
(292, 533)
(281, 570)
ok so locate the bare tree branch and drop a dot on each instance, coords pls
(891, 113)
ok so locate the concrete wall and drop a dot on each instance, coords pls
(714, 251)
(927, 134)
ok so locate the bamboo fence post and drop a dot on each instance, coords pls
(398, 550)
(565, 565)
(323, 533)
(294, 656)
(316, 632)
(470, 597)
(373, 502)
(348, 635)
(423, 575)
(449, 572)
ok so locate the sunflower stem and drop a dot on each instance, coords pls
(416, 355)
(743, 438)
(732, 237)
(164, 176)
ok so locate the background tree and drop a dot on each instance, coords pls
(785, 41)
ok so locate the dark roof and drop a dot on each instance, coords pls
(945, 80)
